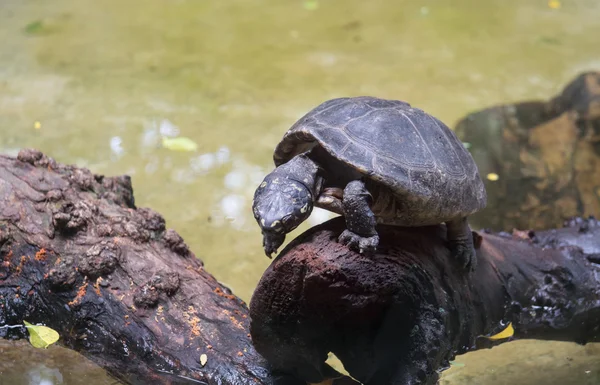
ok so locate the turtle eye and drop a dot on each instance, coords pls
(287, 223)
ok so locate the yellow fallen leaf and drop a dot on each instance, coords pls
(179, 144)
(554, 4)
(41, 336)
(203, 359)
(37, 125)
(493, 176)
(506, 333)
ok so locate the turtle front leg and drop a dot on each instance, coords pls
(360, 234)
(460, 242)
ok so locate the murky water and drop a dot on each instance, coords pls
(104, 79)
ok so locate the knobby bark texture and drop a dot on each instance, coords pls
(79, 257)
(400, 316)
(546, 154)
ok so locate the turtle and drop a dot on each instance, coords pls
(373, 161)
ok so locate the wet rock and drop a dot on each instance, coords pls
(534, 147)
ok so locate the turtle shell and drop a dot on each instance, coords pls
(411, 153)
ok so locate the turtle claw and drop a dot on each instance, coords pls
(464, 253)
(364, 245)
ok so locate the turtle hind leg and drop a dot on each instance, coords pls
(460, 243)
(361, 233)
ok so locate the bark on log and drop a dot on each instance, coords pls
(400, 316)
(547, 156)
(77, 256)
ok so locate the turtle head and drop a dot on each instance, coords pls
(280, 205)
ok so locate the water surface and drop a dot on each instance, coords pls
(104, 79)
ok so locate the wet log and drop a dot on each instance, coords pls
(400, 316)
(79, 257)
(546, 154)
(118, 286)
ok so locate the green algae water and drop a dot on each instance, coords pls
(98, 83)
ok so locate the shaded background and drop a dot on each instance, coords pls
(97, 83)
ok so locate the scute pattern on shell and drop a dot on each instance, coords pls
(402, 148)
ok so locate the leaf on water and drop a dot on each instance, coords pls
(549, 40)
(179, 144)
(203, 359)
(506, 333)
(311, 5)
(554, 4)
(35, 27)
(457, 364)
(41, 336)
(493, 176)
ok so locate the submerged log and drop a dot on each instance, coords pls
(546, 155)
(400, 316)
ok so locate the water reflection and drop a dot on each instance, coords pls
(231, 205)
(40, 374)
(202, 164)
(22, 364)
(116, 147)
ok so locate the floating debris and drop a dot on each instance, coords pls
(457, 364)
(203, 359)
(554, 4)
(179, 144)
(492, 176)
(466, 145)
(35, 27)
(37, 125)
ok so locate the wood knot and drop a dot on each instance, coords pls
(100, 259)
(72, 218)
(36, 158)
(30, 155)
(63, 275)
(167, 283)
(175, 242)
(146, 296)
